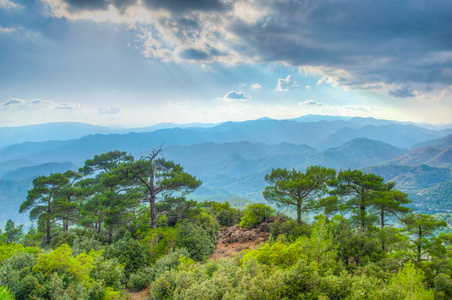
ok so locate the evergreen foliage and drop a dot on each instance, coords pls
(95, 238)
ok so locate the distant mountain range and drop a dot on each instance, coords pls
(63, 131)
(320, 135)
(232, 158)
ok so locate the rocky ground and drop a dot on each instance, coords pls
(232, 240)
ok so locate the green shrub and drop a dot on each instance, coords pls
(5, 293)
(86, 243)
(7, 251)
(255, 214)
(61, 261)
(64, 237)
(169, 261)
(108, 271)
(196, 239)
(229, 217)
(278, 255)
(443, 286)
(157, 242)
(141, 279)
(290, 229)
(129, 252)
(164, 286)
(16, 273)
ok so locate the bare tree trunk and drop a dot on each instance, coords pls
(153, 212)
(299, 213)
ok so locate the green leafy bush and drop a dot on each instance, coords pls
(141, 279)
(196, 239)
(290, 229)
(16, 273)
(255, 214)
(128, 251)
(108, 271)
(7, 251)
(157, 242)
(278, 254)
(5, 293)
(169, 261)
(64, 237)
(229, 217)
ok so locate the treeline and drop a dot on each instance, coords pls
(124, 223)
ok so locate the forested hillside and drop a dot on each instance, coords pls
(232, 158)
(122, 224)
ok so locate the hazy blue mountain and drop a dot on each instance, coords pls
(15, 164)
(441, 143)
(34, 171)
(48, 131)
(269, 132)
(416, 157)
(438, 197)
(12, 194)
(62, 131)
(167, 126)
(356, 154)
(402, 136)
(412, 178)
(314, 130)
(443, 159)
(317, 118)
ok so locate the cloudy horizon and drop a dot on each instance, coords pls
(143, 62)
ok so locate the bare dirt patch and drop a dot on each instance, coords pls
(232, 240)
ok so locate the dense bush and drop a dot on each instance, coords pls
(196, 239)
(288, 230)
(7, 251)
(64, 237)
(143, 277)
(255, 214)
(157, 242)
(229, 217)
(128, 251)
(16, 273)
(5, 293)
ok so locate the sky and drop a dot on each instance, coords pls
(130, 63)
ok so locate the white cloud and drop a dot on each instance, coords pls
(40, 102)
(311, 103)
(289, 32)
(7, 4)
(233, 95)
(10, 30)
(359, 108)
(286, 84)
(14, 101)
(69, 105)
(256, 86)
(109, 110)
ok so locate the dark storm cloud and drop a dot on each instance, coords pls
(193, 54)
(98, 4)
(374, 42)
(402, 92)
(185, 5)
(88, 4)
(388, 41)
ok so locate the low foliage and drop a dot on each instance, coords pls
(255, 214)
